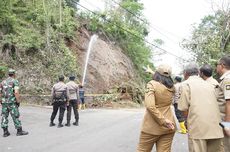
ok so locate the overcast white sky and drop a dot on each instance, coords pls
(171, 21)
(174, 19)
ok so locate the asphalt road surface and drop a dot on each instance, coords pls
(99, 130)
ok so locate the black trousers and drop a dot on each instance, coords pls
(61, 106)
(179, 113)
(72, 104)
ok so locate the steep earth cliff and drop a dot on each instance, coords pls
(108, 66)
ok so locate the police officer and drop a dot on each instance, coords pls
(198, 101)
(206, 74)
(73, 101)
(9, 94)
(223, 94)
(59, 97)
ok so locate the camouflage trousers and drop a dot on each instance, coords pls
(12, 109)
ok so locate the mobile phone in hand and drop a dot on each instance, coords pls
(224, 124)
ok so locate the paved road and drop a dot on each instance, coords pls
(100, 130)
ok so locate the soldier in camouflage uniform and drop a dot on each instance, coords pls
(9, 97)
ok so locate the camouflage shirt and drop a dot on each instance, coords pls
(7, 89)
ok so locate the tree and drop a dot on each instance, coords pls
(211, 38)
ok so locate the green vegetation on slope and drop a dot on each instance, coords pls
(33, 36)
(36, 29)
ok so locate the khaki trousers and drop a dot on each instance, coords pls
(163, 142)
(206, 145)
(227, 144)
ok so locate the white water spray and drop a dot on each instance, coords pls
(92, 39)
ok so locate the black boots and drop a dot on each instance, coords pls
(20, 132)
(52, 124)
(5, 132)
(76, 123)
(60, 125)
(67, 124)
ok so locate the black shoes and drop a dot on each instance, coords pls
(20, 132)
(60, 125)
(67, 124)
(52, 124)
(6, 132)
(75, 123)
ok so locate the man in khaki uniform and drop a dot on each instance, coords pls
(223, 95)
(198, 101)
(206, 74)
(158, 126)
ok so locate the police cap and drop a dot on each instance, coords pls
(71, 77)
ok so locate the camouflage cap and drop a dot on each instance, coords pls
(11, 71)
(164, 70)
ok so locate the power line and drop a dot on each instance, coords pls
(92, 5)
(165, 46)
(144, 21)
(103, 17)
(132, 33)
(151, 26)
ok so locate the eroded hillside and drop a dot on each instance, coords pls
(108, 66)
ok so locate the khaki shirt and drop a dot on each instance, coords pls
(198, 97)
(212, 81)
(223, 92)
(73, 90)
(158, 100)
(57, 88)
(177, 93)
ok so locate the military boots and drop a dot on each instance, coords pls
(20, 132)
(5, 132)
